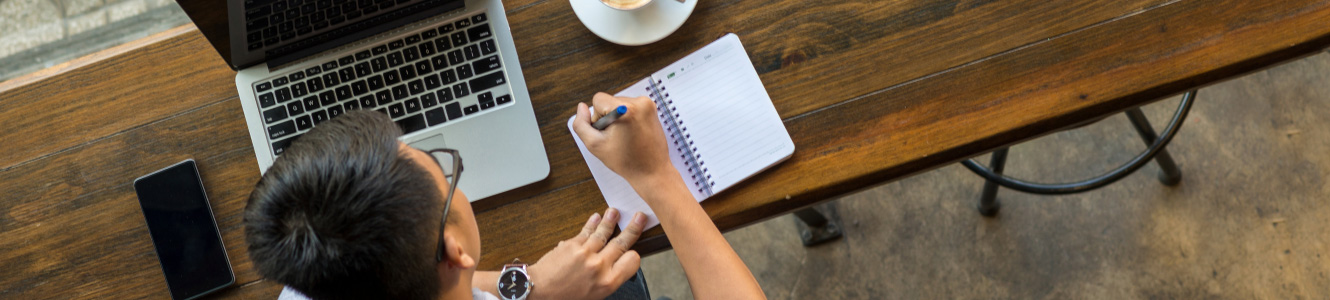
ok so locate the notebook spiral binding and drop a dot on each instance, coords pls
(700, 175)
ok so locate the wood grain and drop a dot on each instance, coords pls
(871, 91)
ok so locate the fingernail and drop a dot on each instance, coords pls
(640, 218)
(611, 213)
(595, 217)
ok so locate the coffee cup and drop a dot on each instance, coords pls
(625, 4)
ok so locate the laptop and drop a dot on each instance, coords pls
(446, 71)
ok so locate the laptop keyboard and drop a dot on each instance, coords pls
(426, 79)
(269, 22)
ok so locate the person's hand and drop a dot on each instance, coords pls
(589, 265)
(634, 146)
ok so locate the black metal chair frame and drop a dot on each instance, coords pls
(1169, 175)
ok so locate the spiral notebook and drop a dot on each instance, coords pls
(719, 123)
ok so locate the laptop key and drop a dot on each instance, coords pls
(319, 117)
(399, 91)
(445, 95)
(446, 28)
(448, 76)
(471, 52)
(267, 99)
(342, 92)
(415, 87)
(346, 60)
(436, 116)
(428, 100)
(367, 102)
(329, 66)
(411, 54)
(395, 59)
(349, 105)
(394, 45)
(396, 110)
(315, 84)
(460, 90)
(313, 71)
(463, 23)
(375, 82)
(442, 44)
(363, 55)
(412, 124)
(485, 65)
(262, 87)
(487, 47)
(454, 110)
(483, 97)
(362, 69)
(359, 88)
(503, 99)
(459, 38)
(295, 108)
(274, 115)
(426, 49)
(379, 63)
(304, 123)
(455, 57)
(281, 130)
(381, 49)
(432, 82)
(298, 89)
(481, 31)
(334, 111)
(469, 109)
(464, 72)
(347, 74)
(487, 105)
(476, 19)
(327, 98)
(283, 94)
(439, 62)
(279, 147)
(412, 105)
(429, 34)
(330, 79)
(311, 103)
(488, 81)
(412, 39)
(383, 97)
(280, 81)
(391, 77)
(407, 72)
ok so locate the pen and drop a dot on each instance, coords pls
(605, 120)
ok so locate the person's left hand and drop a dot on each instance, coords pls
(589, 265)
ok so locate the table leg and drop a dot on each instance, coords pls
(815, 227)
(1169, 173)
(988, 205)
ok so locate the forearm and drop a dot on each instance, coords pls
(713, 269)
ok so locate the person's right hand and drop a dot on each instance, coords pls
(590, 265)
(634, 146)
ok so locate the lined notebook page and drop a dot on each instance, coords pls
(618, 194)
(726, 110)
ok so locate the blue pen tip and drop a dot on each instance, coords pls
(622, 109)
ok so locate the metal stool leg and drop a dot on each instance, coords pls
(1169, 173)
(815, 227)
(988, 205)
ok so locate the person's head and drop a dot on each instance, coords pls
(349, 212)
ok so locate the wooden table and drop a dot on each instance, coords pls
(871, 91)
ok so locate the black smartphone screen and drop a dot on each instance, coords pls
(183, 231)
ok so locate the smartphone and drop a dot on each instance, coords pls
(184, 231)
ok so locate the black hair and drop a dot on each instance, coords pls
(344, 213)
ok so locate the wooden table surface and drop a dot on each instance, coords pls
(871, 91)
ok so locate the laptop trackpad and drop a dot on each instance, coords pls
(429, 143)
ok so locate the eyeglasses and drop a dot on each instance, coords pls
(451, 171)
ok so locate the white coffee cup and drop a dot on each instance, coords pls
(625, 4)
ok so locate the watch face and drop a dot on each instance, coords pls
(513, 284)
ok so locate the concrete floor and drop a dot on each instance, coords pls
(1248, 220)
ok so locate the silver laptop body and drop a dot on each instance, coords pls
(495, 131)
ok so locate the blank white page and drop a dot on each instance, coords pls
(726, 112)
(618, 194)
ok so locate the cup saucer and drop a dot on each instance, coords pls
(641, 26)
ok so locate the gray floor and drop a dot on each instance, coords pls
(37, 34)
(1247, 222)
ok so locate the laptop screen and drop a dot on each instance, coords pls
(249, 32)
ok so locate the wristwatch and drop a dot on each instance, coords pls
(514, 281)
